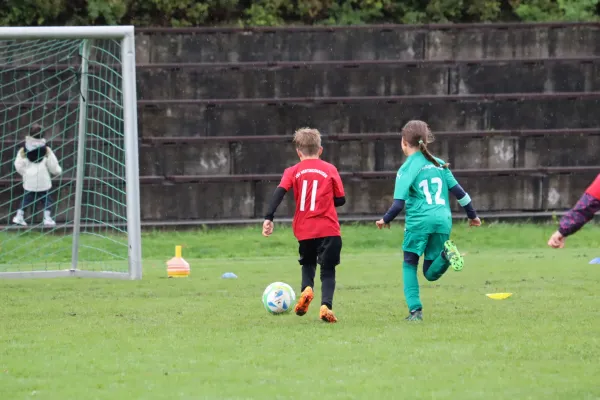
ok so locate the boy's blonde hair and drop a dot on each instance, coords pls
(308, 141)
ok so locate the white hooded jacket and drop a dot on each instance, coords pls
(36, 175)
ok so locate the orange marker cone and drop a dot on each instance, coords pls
(177, 267)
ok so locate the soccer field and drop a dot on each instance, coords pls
(210, 338)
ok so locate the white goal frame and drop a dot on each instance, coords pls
(87, 33)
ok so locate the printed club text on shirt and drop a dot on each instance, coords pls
(429, 166)
(399, 174)
(316, 171)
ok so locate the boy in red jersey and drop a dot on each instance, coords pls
(318, 190)
(579, 215)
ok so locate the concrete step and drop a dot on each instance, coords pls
(341, 115)
(222, 158)
(383, 114)
(40, 84)
(355, 152)
(198, 81)
(225, 198)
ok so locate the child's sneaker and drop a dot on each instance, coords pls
(415, 315)
(327, 315)
(453, 256)
(48, 221)
(305, 298)
(19, 219)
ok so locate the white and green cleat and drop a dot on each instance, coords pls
(453, 256)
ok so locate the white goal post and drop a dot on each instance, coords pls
(79, 85)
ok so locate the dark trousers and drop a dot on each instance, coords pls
(325, 252)
(44, 198)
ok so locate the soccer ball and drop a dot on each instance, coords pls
(278, 298)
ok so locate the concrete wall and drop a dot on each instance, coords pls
(464, 79)
(377, 43)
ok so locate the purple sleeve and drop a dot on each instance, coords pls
(579, 215)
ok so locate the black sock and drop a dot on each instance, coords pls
(308, 276)
(327, 285)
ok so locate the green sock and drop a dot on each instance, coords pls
(438, 267)
(411, 287)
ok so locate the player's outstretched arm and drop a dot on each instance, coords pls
(404, 179)
(465, 202)
(578, 216)
(575, 219)
(276, 200)
(391, 213)
(463, 197)
(339, 195)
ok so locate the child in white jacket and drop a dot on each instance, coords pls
(35, 162)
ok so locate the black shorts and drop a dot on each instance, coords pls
(323, 251)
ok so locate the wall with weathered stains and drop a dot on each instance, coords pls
(473, 85)
(366, 43)
(483, 61)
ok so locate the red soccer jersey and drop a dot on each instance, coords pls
(594, 188)
(315, 183)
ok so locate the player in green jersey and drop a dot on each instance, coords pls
(422, 186)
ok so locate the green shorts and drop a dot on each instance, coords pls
(428, 244)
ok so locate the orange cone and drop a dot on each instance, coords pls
(177, 267)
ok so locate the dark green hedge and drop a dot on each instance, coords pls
(180, 13)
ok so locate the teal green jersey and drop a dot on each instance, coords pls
(424, 188)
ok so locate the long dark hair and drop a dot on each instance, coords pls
(417, 134)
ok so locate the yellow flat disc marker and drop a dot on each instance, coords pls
(499, 296)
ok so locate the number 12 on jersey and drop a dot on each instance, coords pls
(312, 198)
(438, 195)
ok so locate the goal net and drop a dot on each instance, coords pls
(69, 179)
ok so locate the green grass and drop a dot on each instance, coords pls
(209, 338)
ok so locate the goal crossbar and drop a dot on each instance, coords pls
(66, 32)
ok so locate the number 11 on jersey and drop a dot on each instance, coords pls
(312, 198)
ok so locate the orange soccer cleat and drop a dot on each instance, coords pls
(327, 315)
(305, 298)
